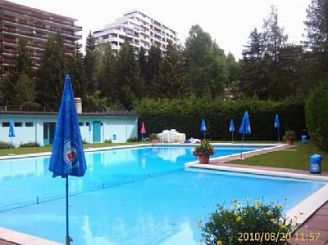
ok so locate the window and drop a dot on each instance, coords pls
(87, 124)
(18, 124)
(5, 124)
(29, 124)
(80, 124)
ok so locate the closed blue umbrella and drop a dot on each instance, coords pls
(277, 124)
(203, 127)
(245, 128)
(67, 156)
(11, 135)
(231, 128)
(11, 130)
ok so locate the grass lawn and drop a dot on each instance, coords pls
(29, 150)
(296, 158)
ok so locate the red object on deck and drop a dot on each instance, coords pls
(143, 128)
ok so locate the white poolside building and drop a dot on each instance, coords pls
(95, 127)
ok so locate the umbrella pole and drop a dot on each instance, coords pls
(232, 137)
(242, 147)
(68, 239)
(278, 134)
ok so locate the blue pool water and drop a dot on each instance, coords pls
(131, 196)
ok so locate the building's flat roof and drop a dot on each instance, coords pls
(41, 113)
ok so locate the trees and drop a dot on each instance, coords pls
(206, 72)
(51, 73)
(152, 69)
(128, 76)
(274, 38)
(18, 86)
(317, 35)
(252, 73)
(170, 82)
(90, 63)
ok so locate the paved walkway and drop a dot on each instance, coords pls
(3, 242)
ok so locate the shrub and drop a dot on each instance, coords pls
(185, 116)
(6, 145)
(133, 139)
(107, 141)
(30, 144)
(316, 111)
(152, 136)
(237, 225)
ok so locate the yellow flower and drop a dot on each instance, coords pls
(257, 203)
(238, 218)
(218, 243)
(269, 212)
(282, 226)
(273, 220)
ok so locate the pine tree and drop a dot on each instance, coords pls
(171, 82)
(90, 63)
(51, 73)
(274, 37)
(106, 62)
(253, 81)
(76, 69)
(128, 76)
(152, 69)
(317, 35)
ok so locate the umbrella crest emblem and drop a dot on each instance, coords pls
(69, 153)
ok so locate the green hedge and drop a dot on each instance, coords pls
(317, 115)
(185, 116)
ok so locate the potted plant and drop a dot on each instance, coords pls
(289, 137)
(153, 138)
(204, 151)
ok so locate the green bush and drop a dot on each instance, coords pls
(245, 224)
(5, 145)
(30, 144)
(133, 139)
(316, 111)
(185, 116)
(107, 141)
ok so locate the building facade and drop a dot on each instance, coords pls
(34, 25)
(95, 127)
(139, 30)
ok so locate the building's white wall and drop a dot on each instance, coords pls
(123, 127)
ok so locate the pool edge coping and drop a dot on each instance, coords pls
(48, 153)
(24, 238)
(302, 210)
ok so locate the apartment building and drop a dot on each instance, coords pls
(139, 30)
(19, 21)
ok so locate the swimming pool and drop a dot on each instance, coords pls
(131, 196)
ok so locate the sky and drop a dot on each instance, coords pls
(229, 22)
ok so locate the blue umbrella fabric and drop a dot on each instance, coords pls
(11, 130)
(67, 156)
(245, 128)
(277, 124)
(203, 127)
(231, 128)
